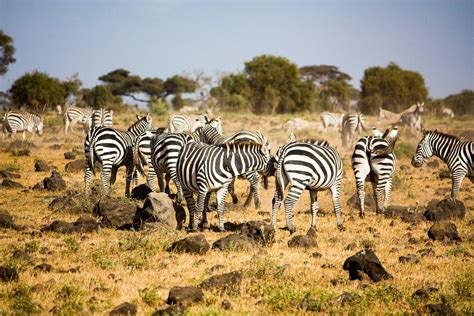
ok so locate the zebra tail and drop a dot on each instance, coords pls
(138, 159)
(91, 153)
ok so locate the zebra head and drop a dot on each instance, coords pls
(390, 137)
(423, 150)
(39, 127)
(217, 124)
(143, 124)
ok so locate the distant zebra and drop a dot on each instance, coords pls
(447, 112)
(369, 161)
(457, 154)
(113, 149)
(311, 167)
(142, 156)
(412, 119)
(75, 115)
(352, 125)
(314, 141)
(14, 122)
(386, 114)
(178, 122)
(205, 168)
(102, 117)
(210, 135)
(331, 119)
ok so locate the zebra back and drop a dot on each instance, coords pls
(314, 141)
(25, 121)
(353, 122)
(102, 117)
(178, 122)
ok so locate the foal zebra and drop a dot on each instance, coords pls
(371, 158)
(210, 135)
(311, 167)
(457, 154)
(413, 119)
(103, 118)
(205, 168)
(113, 149)
(331, 119)
(352, 124)
(14, 122)
(75, 115)
(178, 122)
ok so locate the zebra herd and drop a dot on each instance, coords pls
(194, 153)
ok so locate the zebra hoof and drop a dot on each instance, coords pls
(292, 230)
(340, 227)
(361, 215)
(235, 200)
(205, 225)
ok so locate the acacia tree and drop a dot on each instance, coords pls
(38, 91)
(392, 88)
(6, 52)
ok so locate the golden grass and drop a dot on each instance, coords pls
(119, 266)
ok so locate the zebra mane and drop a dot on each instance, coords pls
(435, 132)
(145, 118)
(243, 143)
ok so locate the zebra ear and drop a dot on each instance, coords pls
(148, 117)
(292, 137)
(138, 117)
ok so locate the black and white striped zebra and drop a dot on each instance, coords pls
(204, 168)
(331, 119)
(352, 125)
(14, 122)
(311, 167)
(210, 135)
(75, 115)
(372, 159)
(412, 119)
(142, 156)
(179, 122)
(457, 154)
(112, 149)
(102, 117)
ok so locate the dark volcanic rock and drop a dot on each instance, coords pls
(185, 295)
(369, 202)
(158, 208)
(6, 220)
(260, 232)
(124, 309)
(116, 213)
(225, 283)
(9, 174)
(55, 182)
(439, 309)
(410, 258)
(70, 155)
(193, 244)
(59, 226)
(366, 262)
(424, 294)
(86, 224)
(44, 267)
(7, 183)
(75, 166)
(236, 242)
(404, 214)
(170, 311)
(140, 192)
(444, 210)
(304, 241)
(443, 230)
(8, 274)
(41, 166)
(62, 203)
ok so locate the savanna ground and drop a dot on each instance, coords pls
(129, 266)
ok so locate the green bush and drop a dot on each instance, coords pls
(404, 150)
(70, 302)
(149, 296)
(158, 107)
(23, 303)
(464, 285)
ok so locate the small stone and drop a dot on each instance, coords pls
(328, 266)
(351, 246)
(8, 274)
(41, 166)
(226, 305)
(225, 283)
(44, 267)
(124, 309)
(316, 255)
(7, 183)
(70, 155)
(193, 244)
(411, 258)
(185, 295)
(170, 311)
(37, 288)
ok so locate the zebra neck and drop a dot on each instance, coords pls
(443, 147)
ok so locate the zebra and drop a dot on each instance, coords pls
(311, 167)
(102, 117)
(204, 168)
(210, 135)
(412, 119)
(142, 156)
(331, 119)
(74, 115)
(113, 149)
(14, 122)
(373, 157)
(352, 124)
(447, 112)
(314, 141)
(386, 114)
(457, 154)
(178, 122)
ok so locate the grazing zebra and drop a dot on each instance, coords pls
(14, 122)
(311, 167)
(331, 119)
(373, 157)
(386, 114)
(211, 135)
(352, 124)
(412, 119)
(204, 168)
(142, 156)
(75, 115)
(103, 118)
(178, 122)
(447, 112)
(457, 154)
(113, 149)
(314, 141)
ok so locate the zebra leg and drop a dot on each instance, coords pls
(388, 193)
(276, 203)
(231, 189)
(66, 126)
(128, 178)
(314, 207)
(221, 195)
(113, 175)
(205, 223)
(135, 177)
(105, 175)
(167, 183)
(188, 195)
(23, 136)
(361, 194)
(336, 201)
(161, 185)
(87, 176)
(457, 178)
(296, 189)
(379, 190)
(201, 198)
(254, 192)
(151, 176)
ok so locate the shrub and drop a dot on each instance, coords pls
(69, 298)
(149, 296)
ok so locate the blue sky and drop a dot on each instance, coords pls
(162, 38)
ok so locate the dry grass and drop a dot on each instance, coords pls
(118, 266)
